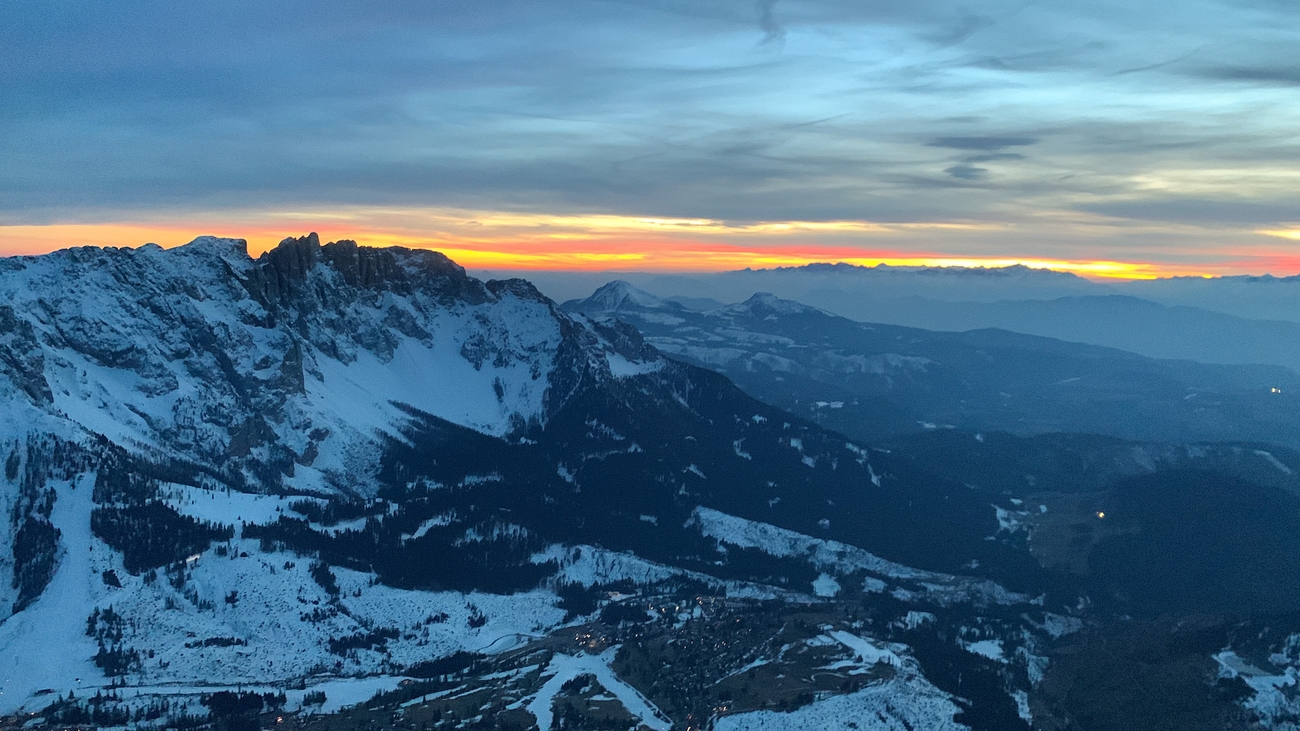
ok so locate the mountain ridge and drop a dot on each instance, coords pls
(871, 380)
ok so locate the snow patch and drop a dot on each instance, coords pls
(1268, 456)
(568, 667)
(865, 650)
(826, 586)
(621, 367)
(906, 702)
(992, 649)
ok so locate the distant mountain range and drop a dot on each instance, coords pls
(1115, 321)
(873, 380)
(944, 283)
(1230, 320)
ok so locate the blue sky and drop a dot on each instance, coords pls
(1157, 131)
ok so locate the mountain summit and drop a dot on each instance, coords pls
(617, 295)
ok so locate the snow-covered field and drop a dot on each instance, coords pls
(906, 702)
(835, 558)
(564, 668)
(263, 617)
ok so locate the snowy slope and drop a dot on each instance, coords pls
(190, 352)
(45, 646)
(285, 374)
(906, 702)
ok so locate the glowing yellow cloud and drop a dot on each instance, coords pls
(1291, 233)
(529, 241)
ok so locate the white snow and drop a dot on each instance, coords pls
(621, 367)
(1274, 693)
(85, 302)
(872, 585)
(866, 651)
(227, 506)
(841, 558)
(784, 543)
(436, 380)
(741, 452)
(826, 586)
(341, 693)
(567, 667)
(1268, 456)
(436, 521)
(835, 557)
(587, 565)
(1058, 625)
(914, 619)
(45, 646)
(992, 649)
(905, 703)
(1009, 521)
(1022, 706)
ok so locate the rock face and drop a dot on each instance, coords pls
(205, 355)
(21, 359)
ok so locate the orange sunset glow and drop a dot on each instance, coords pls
(517, 241)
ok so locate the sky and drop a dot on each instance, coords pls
(1106, 138)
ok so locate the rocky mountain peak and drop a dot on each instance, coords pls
(766, 303)
(617, 295)
(259, 368)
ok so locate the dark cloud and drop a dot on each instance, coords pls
(772, 30)
(995, 157)
(1260, 213)
(1276, 75)
(991, 144)
(735, 109)
(967, 172)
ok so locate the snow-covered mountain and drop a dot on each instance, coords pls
(273, 371)
(331, 465)
(1226, 320)
(129, 371)
(334, 470)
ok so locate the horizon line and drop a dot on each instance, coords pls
(614, 254)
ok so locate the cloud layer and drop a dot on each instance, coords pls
(1141, 129)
